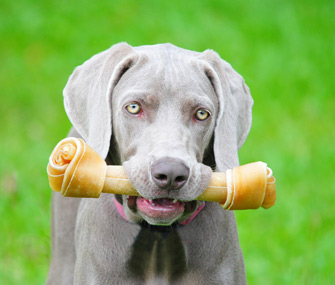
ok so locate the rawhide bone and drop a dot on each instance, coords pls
(76, 170)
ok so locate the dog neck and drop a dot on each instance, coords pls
(119, 208)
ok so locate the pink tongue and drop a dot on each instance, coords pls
(160, 208)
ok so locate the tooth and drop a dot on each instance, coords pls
(174, 201)
(150, 200)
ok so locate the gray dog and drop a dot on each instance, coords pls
(175, 115)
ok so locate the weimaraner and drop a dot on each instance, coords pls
(175, 116)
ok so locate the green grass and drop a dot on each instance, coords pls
(285, 51)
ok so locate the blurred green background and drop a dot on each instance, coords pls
(284, 50)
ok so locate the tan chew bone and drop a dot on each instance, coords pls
(76, 170)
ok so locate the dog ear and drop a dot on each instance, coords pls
(88, 92)
(234, 115)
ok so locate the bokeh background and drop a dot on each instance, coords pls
(284, 50)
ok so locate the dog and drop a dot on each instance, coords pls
(170, 116)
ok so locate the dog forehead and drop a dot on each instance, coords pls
(166, 49)
(165, 71)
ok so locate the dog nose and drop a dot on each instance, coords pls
(169, 173)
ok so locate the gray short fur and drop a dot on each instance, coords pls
(91, 242)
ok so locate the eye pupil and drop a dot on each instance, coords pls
(202, 115)
(133, 108)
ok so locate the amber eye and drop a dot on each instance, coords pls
(133, 108)
(202, 115)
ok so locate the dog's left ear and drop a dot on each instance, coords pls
(87, 94)
(234, 116)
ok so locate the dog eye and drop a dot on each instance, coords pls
(133, 108)
(202, 115)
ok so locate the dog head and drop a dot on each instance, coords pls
(174, 114)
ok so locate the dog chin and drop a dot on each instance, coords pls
(161, 211)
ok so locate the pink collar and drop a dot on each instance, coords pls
(119, 207)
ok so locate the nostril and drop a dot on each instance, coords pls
(161, 177)
(179, 182)
(161, 180)
(180, 179)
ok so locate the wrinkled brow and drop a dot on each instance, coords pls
(191, 104)
(146, 98)
(150, 100)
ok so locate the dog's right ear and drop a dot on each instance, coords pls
(87, 94)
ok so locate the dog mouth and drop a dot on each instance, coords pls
(161, 211)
